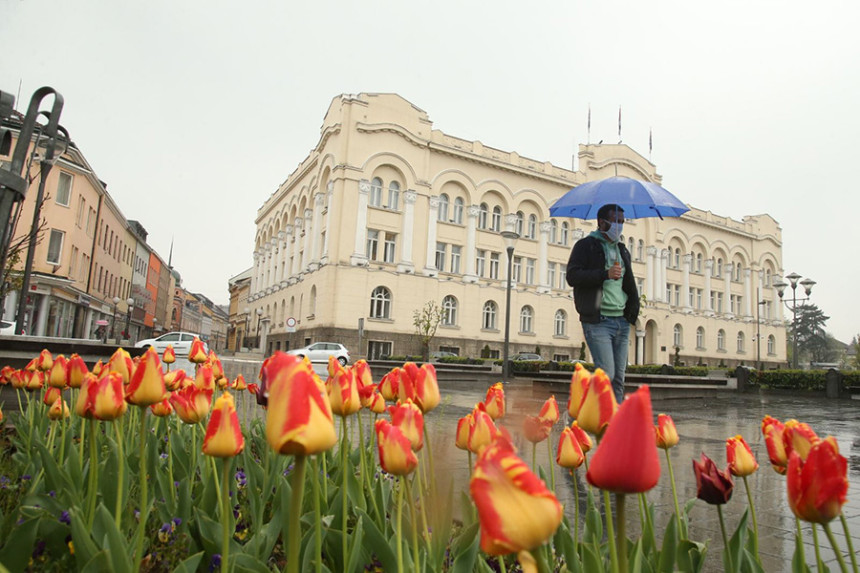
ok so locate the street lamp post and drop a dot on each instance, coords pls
(130, 302)
(510, 238)
(758, 305)
(116, 300)
(259, 318)
(807, 285)
(247, 320)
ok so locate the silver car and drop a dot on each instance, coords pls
(320, 351)
(181, 342)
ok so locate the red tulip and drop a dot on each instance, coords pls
(57, 377)
(76, 370)
(817, 486)
(5, 375)
(224, 437)
(169, 356)
(798, 437)
(174, 380)
(388, 386)
(253, 388)
(536, 430)
(495, 401)
(598, 404)
(626, 458)
(581, 437)
(395, 450)
(147, 383)
(667, 435)
(569, 453)
(408, 417)
(191, 403)
(515, 508)
(741, 460)
(713, 486)
(549, 411)
(197, 353)
(772, 429)
(419, 385)
(578, 387)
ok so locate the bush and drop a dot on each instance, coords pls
(460, 360)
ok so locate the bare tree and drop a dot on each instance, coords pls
(10, 265)
(426, 321)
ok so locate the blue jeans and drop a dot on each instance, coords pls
(608, 341)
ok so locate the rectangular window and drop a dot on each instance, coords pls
(64, 189)
(668, 293)
(376, 193)
(73, 262)
(530, 271)
(640, 286)
(377, 349)
(562, 280)
(494, 265)
(440, 255)
(393, 198)
(692, 299)
(456, 251)
(389, 248)
(372, 244)
(561, 357)
(719, 307)
(516, 271)
(677, 289)
(550, 274)
(79, 217)
(699, 293)
(480, 262)
(91, 221)
(55, 247)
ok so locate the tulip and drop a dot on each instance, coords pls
(419, 385)
(495, 401)
(34, 380)
(666, 434)
(215, 362)
(481, 430)
(239, 383)
(741, 460)
(342, 389)
(388, 386)
(162, 409)
(408, 417)
(97, 368)
(120, 361)
(818, 485)
(222, 383)
(31, 366)
(1, 415)
(169, 356)
(364, 381)
(598, 404)
(147, 383)
(626, 458)
(798, 437)
(772, 429)
(44, 361)
(223, 434)
(58, 410)
(549, 411)
(57, 377)
(6, 374)
(76, 370)
(300, 420)
(101, 398)
(462, 438)
(197, 353)
(395, 450)
(713, 486)
(535, 430)
(581, 436)
(376, 403)
(52, 394)
(204, 378)
(17, 378)
(253, 388)
(191, 403)
(174, 380)
(578, 387)
(516, 510)
(570, 454)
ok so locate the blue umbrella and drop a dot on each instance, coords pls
(638, 199)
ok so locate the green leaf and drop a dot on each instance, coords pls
(210, 532)
(377, 544)
(467, 543)
(439, 516)
(85, 548)
(666, 563)
(564, 544)
(798, 564)
(113, 541)
(356, 540)
(636, 557)
(98, 564)
(242, 563)
(734, 551)
(691, 556)
(591, 560)
(190, 564)
(15, 555)
(593, 522)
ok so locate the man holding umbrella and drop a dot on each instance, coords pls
(605, 295)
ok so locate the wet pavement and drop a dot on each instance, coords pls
(703, 425)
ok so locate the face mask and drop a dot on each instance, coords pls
(614, 231)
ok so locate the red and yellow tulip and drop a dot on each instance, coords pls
(408, 417)
(342, 389)
(174, 380)
(549, 411)
(495, 401)
(76, 370)
(818, 485)
(598, 404)
(147, 383)
(169, 356)
(204, 379)
(482, 430)
(121, 362)
(578, 387)
(239, 384)
(741, 460)
(772, 429)
(536, 430)
(569, 453)
(388, 386)
(581, 436)
(666, 433)
(197, 353)
(58, 410)
(44, 361)
(102, 398)
(162, 409)
(395, 450)
(419, 385)
(798, 437)
(224, 437)
(52, 394)
(57, 377)
(191, 403)
(463, 426)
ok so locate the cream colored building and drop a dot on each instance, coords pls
(387, 213)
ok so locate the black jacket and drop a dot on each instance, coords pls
(586, 271)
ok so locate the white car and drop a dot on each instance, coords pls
(7, 327)
(181, 342)
(320, 351)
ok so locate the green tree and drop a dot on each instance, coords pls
(855, 345)
(812, 339)
(426, 320)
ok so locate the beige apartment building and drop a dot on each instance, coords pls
(387, 213)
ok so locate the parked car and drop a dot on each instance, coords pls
(7, 327)
(181, 342)
(320, 351)
(527, 357)
(441, 354)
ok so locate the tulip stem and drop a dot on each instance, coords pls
(215, 477)
(415, 556)
(726, 550)
(621, 538)
(225, 516)
(575, 512)
(754, 520)
(117, 426)
(848, 542)
(399, 532)
(836, 550)
(343, 493)
(610, 533)
(62, 455)
(681, 532)
(502, 568)
(170, 460)
(144, 502)
(819, 564)
(421, 494)
(798, 541)
(429, 448)
(294, 531)
(551, 461)
(534, 458)
(317, 516)
(83, 441)
(94, 475)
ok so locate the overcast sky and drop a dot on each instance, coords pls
(194, 112)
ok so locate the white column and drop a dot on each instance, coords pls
(407, 232)
(306, 235)
(359, 256)
(329, 192)
(41, 325)
(316, 230)
(543, 255)
(651, 272)
(282, 259)
(709, 269)
(270, 268)
(727, 298)
(430, 260)
(296, 252)
(640, 347)
(685, 288)
(255, 269)
(747, 292)
(471, 240)
(288, 245)
(664, 264)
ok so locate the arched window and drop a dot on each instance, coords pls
(443, 208)
(560, 323)
(380, 303)
(565, 231)
(771, 344)
(520, 221)
(283, 315)
(677, 258)
(531, 230)
(700, 337)
(698, 262)
(458, 210)
(449, 308)
(767, 277)
(640, 250)
(489, 316)
(553, 231)
(718, 269)
(292, 306)
(497, 219)
(313, 301)
(483, 213)
(721, 339)
(376, 192)
(526, 319)
(394, 195)
(630, 244)
(740, 341)
(678, 333)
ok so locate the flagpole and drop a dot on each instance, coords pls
(588, 139)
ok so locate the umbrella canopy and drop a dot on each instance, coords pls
(638, 199)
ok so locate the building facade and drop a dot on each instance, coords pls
(239, 311)
(387, 213)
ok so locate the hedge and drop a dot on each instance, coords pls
(800, 379)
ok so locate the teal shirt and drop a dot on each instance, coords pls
(614, 297)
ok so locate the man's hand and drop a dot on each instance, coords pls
(615, 272)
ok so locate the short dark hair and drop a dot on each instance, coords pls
(604, 211)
